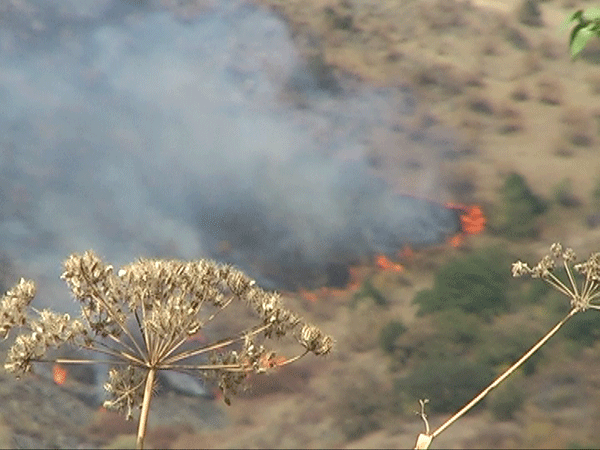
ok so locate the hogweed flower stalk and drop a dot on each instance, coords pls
(142, 318)
(581, 296)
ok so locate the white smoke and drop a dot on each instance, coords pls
(150, 137)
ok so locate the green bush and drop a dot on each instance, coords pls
(563, 194)
(368, 291)
(507, 343)
(596, 194)
(360, 405)
(582, 329)
(507, 398)
(448, 384)
(529, 13)
(457, 327)
(536, 291)
(388, 335)
(476, 284)
(519, 208)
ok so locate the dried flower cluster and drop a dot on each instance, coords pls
(14, 305)
(142, 316)
(582, 297)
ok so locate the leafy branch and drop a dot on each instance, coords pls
(587, 25)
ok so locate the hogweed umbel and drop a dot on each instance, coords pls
(141, 320)
(581, 297)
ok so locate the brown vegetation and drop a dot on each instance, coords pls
(578, 126)
(550, 91)
(520, 92)
(481, 103)
(511, 119)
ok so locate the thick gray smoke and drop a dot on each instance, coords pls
(126, 131)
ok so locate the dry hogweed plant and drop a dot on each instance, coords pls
(581, 296)
(140, 320)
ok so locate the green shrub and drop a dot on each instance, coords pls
(596, 194)
(457, 327)
(388, 335)
(360, 405)
(563, 194)
(517, 38)
(368, 291)
(582, 329)
(519, 208)
(447, 383)
(507, 398)
(529, 13)
(476, 284)
(536, 291)
(507, 342)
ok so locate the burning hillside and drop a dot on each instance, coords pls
(174, 140)
(301, 224)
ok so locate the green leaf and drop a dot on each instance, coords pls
(580, 39)
(574, 33)
(592, 14)
(577, 15)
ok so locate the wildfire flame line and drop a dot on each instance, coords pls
(384, 263)
(472, 221)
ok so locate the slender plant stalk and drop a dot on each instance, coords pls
(145, 408)
(502, 377)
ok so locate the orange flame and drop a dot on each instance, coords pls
(385, 264)
(472, 219)
(199, 337)
(272, 361)
(59, 374)
(457, 240)
(308, 295)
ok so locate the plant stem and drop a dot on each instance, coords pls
(145, 408)
(505, 375)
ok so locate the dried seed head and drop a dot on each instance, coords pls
(520, 268)
(569, 255)
(149, 309)
(556, 249)
(543, 268)
(314, 341)
(581, 297)
(14, 304)
(126, 387)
